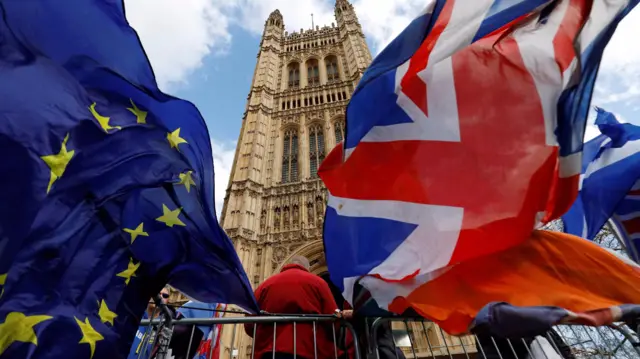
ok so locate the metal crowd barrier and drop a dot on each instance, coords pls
(423, 339)
(339, 329)
(388, 338)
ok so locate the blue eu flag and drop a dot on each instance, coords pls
(106, 190)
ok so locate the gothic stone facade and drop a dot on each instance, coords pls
(294, 116)
(275, 202)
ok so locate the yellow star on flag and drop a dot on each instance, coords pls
(136, 232)
(18, 327)
(58, 163)
(141, 116)
(129, 272)
(170, 218)
(3, 279)
(187, 180)
(106, 315)
(89, 335)
(102, 120)
(175, 139)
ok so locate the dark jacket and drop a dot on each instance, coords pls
(184, 341)
(294, 291)
(384, 338)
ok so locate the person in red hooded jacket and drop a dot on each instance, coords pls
(294, 291)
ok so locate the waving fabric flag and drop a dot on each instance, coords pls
(192, 309)
(626, 219)
(464, 134)
(610, 183)
(107, 189)
(210, 347)
(575, 280)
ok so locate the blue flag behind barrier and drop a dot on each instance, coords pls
(138, 347)
(107, 187)
(610, 170)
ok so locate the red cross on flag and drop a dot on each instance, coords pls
(463, 136)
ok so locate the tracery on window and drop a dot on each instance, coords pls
(313, 72)
(294, 75)
(338, 128)
(316, 149)
(290, 156)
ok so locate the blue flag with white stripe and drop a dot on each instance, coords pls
(609, 177)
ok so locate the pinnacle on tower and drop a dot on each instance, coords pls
(341, 4)
(275, 18)
(343, 7)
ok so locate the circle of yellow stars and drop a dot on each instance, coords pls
(18, 327)
(58, 162)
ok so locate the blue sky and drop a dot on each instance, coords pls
(205, 51)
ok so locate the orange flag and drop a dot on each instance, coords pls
(549, 269)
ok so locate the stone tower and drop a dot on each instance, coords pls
(275, 202)
(294, 116)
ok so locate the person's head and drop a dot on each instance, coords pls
(301, 261)
(164, 296)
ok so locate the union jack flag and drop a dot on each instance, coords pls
(627, 220)
(210, 347)
(463, 135)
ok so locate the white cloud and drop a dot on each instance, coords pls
(618, 80)
(223, 153)
(252, 14)
(591, 132)
(177, 35)
(383, 20)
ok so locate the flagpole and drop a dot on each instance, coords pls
(620, 237)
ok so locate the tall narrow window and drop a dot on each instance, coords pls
(290, 156)
(332, 69)
(316, 149)
(313, 73)
(338, 127)
(294, 75)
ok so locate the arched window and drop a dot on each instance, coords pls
(313, 74)
(294, 75)
(332, 69)
(338, 127)
(290, 156)
(316, 149)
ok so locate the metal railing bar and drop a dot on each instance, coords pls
(243, 320)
